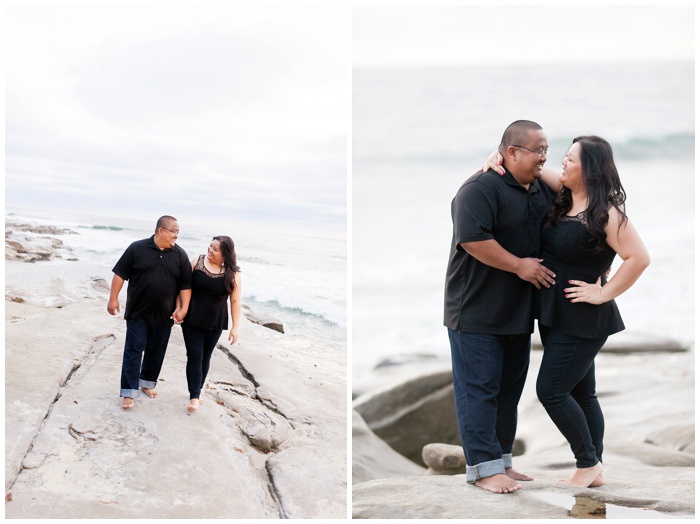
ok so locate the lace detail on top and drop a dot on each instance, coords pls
(200, 265)
(580, 217)
(567, 250)
(209, 297)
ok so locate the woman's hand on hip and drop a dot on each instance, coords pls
(584, 292)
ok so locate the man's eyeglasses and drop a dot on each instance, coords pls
(174, 232)
(541, 152)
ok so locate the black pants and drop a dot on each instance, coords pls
(566, 388)
(200, 344)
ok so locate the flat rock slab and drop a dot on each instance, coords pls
(626, 495)
(631, 342)
(42, 347)
(648, 401)
(270, 441)
(93, 459)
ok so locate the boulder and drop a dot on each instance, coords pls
(413, 413)
(372, 458)
(265, 321)
(264, 429)
(677, 438)
(31, 250)
(397, 368)
(38, 229)
(101, 285)
(444, 459)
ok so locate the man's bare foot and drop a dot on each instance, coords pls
(128, 402)
(150, 392)
(516, 475)
(498, 484)
(586, 477)
(194, 404)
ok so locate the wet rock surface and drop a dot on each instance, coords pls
(648, 401)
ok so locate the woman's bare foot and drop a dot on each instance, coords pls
(516, 475)
(150, 392)
(586, 477)
(194, 404)
(599, 481)
(128, 402)
(498, 484)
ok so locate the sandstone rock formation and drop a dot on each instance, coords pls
(270, 441)
(372, 458)
(444, 459)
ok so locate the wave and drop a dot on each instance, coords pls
(672, 146)
(276, 308)
(243, 259)
(103, 228)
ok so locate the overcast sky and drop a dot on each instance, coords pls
(244, 110)
(237, 111)
(422, 36)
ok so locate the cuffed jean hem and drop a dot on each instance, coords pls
(485, 469)
(507, 460)
(148, 384)
(131, 393)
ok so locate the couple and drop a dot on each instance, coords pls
(165, 287)
(522, 250)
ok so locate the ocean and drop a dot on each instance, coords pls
(419, 133)
(298, 279)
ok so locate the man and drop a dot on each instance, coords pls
(491, 276)
(158, 271)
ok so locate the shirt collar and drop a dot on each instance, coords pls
(152, 244)
(510, 180)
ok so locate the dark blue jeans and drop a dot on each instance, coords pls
(489, 373)
(200, 344)
(566, 388)
(149, 342)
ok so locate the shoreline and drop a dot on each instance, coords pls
(277, 283)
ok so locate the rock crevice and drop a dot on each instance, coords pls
(31, 459)
(259, 420)
(267, 402)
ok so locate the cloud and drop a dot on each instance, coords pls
(179, 103)
(532, 34)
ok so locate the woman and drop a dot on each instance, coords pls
(215, 278)
(583, 231)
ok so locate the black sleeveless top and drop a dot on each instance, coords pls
(566, 250)
(208, 303)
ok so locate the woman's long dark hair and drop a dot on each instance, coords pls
(228, 252)
(603, 188)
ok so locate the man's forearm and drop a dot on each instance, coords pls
(491, 253)
(116, 287)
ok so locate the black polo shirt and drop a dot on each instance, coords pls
(478, 297)
(155, 279)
